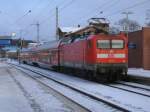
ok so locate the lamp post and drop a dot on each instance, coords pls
(20, 39)
(19, 45)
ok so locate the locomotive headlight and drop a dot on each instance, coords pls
(102, 55)
(124, 61)
(119, 55)
(111, 51)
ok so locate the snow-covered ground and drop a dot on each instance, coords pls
(11, 97)
(19, 93)
(139, 72)
(125, 99)
(83, 100)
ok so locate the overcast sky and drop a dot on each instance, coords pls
(14, 14)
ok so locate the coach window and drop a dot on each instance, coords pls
(118, 44)
(103, 44)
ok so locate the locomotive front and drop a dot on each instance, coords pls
(111, 55)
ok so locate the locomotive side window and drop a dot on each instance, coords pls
(119, 44)
(104, 44)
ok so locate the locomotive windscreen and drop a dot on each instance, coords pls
(107, 44)
(119, 44)
(104, 44)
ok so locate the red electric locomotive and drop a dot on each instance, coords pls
(99, 55)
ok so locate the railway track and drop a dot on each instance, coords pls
(110, 104)
(36, 79)
(135, 85)
(131, 88)
(139, 80)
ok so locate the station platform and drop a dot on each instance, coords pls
(11, 97)
(20, 93)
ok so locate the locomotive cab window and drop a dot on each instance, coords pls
(118, 44)
(103, 44)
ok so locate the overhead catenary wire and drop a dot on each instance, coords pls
(32, 9)
(109, 15)
(106, 6)
(60, 10)
(130, 7)
(97, 8)
(36, 5)
(42, 11)
(110, 6)
(23, 17)
(119, 11)
(37, 14)
(66, 4)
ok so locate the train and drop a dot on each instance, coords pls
(97, 55)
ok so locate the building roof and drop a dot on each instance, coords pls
(70, 29)
(52, 44)
(48, 45)
(5, 37)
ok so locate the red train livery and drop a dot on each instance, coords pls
(98, 55)
(91, 50)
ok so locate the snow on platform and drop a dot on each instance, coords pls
(19, 93)
(11, 97)
(139, 72)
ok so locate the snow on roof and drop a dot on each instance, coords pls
(99, 20)
(5, 37)
(32, 44)
(70, 29)
(47, 45)
(44, 46)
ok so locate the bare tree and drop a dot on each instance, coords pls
(131, 24)
(114, 30)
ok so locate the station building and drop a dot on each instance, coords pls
(139, 54)
(9, 47)
(5, 41)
